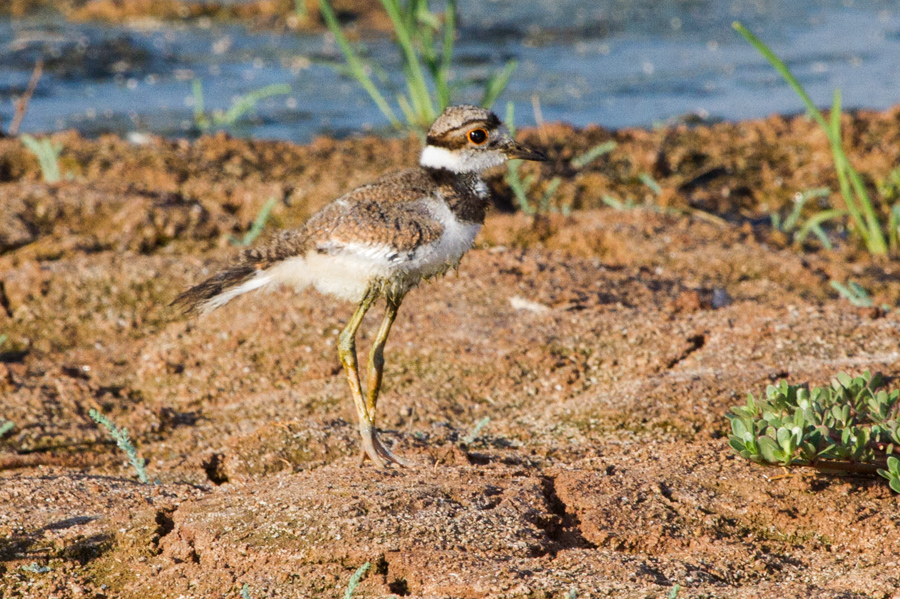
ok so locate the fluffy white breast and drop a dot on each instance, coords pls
(456, 239)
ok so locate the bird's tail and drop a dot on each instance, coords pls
(221, 288)
(255, 268)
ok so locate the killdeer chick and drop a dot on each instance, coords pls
(380, 241)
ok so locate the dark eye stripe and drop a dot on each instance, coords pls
(487, 124)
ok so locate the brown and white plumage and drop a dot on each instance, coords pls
(381, 240)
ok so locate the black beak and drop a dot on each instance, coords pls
(516, 150)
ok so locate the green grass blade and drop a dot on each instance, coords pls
(816, 221)
(894, 228)
(549, 193)
(775, 220)
(470, 438)
(800, 200)
(423, 24)
(650, 182)
(408, 112)
(510, 119)
(497, 83)
(259, 223)
(875, 240)
(200, 119)
(859, 205)
(783, 71)
(355, 579)
(419, 94)
(248, 101)
(443, 88)
(579, 162)
(356, 64)
(840, 166)
(520, 191)
(612, 202)
(853, 293)
(820, 234)
(791, 221)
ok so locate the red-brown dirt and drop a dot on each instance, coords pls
(599, 353)
(363, 15)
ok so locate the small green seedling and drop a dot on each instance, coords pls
(258, 225)
(791, 223)
(673, 592)
(470, 438)
(851, 426)
(34, 568)
(47, 153)
(6, 427)
(889, 187)
(120, 435)
(241, 106)
(355, 579)
(629, 204)
(245, 591)
(521, 186)
(854, 293)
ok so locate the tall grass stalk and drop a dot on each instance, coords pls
(426, 43)
(856, 199)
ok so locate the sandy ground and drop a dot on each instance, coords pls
(563, 397)
(359, 15)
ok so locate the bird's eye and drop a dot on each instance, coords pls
(478, 136)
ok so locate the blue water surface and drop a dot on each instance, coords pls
(607, 62)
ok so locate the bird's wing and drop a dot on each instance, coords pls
(373, 227)
(390, 215)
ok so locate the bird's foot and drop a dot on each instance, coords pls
(376, 451)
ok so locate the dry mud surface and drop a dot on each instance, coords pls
(363, 15)
(563, 397)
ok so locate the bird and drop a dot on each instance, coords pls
(380, 241)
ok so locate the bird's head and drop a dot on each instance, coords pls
(469, 139)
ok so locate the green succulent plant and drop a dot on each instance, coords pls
(851, 426)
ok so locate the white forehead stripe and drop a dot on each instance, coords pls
(460, 161)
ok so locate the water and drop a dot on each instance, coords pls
(614, 63)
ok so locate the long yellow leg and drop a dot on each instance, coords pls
(373, 387)
(347, 352)
(376, 356)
